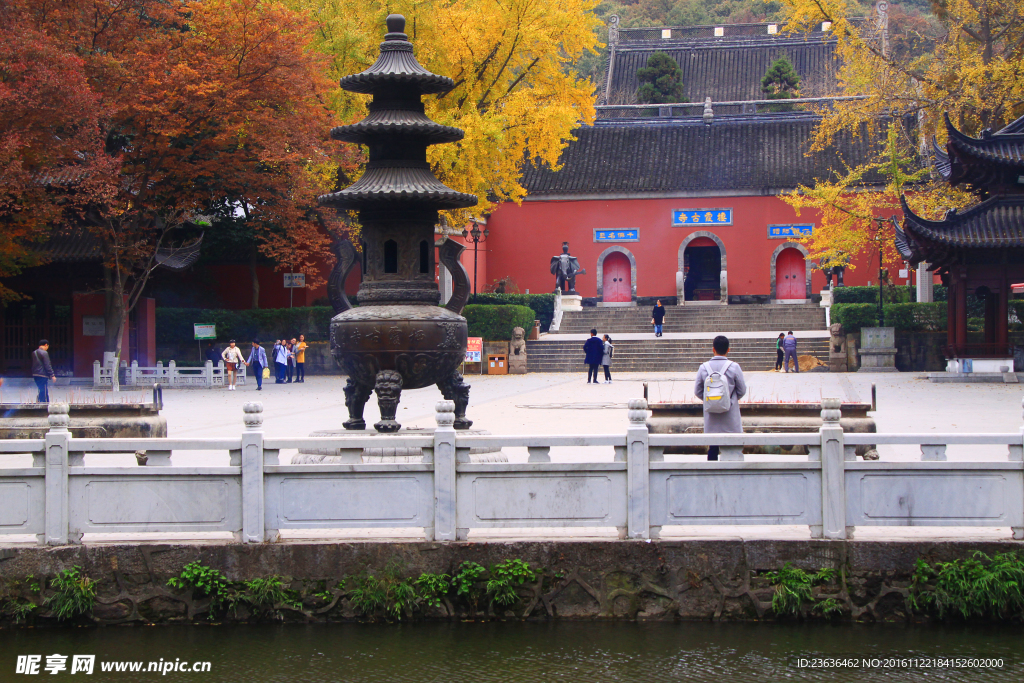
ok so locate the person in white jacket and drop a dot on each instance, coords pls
(233, 360)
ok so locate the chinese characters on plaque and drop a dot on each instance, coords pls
(778, 232)
(618, 235)
(685, 217)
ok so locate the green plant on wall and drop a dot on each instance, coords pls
(794, 588)
(264, 594)
(432, 588)
(74, 594)
(467, 582)
(205, 582)
(505, 578)
(978, 586)
(385, 594)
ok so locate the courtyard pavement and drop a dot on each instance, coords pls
(562, 403)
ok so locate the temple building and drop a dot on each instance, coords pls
(683, 202)
(979, 251)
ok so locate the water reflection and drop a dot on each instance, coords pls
(519, 652)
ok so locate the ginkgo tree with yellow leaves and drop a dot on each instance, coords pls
(965, 61)
(516, 94)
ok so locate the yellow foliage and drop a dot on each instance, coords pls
(516, 95)
(967, 62)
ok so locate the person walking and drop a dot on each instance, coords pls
(258, 361)
(233, 360)
(779, 351)
(300, 359)
(594, 353)
(280, 360)
(213, 354)
(789, 346)
(606, 359)
(658, 318)
(42, 371)
(720, 370)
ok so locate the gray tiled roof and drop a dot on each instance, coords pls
(730, 70)
(755, 154)
(1003, 147)
(994, 223)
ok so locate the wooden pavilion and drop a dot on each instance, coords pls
(981, 250)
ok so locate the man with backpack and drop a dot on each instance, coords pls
(789, 346)
(720, 385)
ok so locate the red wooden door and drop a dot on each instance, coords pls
(790, 275)
(617, 285)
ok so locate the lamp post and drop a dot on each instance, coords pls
(477, 237)
(878, 238)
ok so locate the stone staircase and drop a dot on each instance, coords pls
(551, 354)
(714, 319)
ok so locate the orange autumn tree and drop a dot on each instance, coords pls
(201, 104)
(48, 133)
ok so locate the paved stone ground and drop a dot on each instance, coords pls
(558, 403)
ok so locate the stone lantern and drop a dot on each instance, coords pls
(398, 337)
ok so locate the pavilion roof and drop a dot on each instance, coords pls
(985, 163)
(997, 223)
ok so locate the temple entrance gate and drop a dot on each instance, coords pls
(617, 281)
(790, 275)
(702, 270)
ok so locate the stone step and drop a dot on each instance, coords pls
(716, 319)
(662, 355)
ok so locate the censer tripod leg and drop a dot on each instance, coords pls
(356, 396)
(454, 389)
(389, 392)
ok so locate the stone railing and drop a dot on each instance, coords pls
(208, 375)
(636, 492)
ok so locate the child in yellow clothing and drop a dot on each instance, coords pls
(300, 359)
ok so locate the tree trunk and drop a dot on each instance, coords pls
(252, 274)
(114, 317)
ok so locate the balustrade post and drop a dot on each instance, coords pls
(57, 446)
(208, 373)
(445, 511)
(172, 373)
(833, 473)
(132, 379)
(252, 475)
(97, 374)
(638, 472)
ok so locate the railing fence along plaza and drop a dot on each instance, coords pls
(256, 496)
(207, 375)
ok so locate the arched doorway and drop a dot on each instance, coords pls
(790, 276)
(616, 277)
(702, 270)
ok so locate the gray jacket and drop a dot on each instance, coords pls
(41, 364)
(607, 358)
(728, 422)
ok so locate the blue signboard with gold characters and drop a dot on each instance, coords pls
(683, 217)
(781, 232)
(617, 235)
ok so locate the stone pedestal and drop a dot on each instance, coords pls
(878, 349)
(572, 302)
(826, 298)
(385, 453)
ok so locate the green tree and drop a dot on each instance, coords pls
(781, 82)
(661, 81)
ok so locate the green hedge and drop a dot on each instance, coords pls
(495, 323)
(904, 317)
(869, 295)
(175, 324)
(916, 317)
(543, 305)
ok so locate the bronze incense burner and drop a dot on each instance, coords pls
(398, 337)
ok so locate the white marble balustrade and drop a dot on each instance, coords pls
(256, 496)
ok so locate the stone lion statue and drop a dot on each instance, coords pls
(837, 359)
(517, 352)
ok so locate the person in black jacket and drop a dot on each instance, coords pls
(658, 318)
(594, 350)
(42, 371)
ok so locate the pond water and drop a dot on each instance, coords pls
(521, 652)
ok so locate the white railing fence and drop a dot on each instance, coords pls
(638, 492)
(208, 375)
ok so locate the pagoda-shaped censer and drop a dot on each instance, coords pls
(398, 337)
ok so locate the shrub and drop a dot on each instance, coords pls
(506, 577)
(74, 594)
(916, 317)
(204, 582)
(855, 316)
(869, 295)
(495, 323)
(264, 594)
(979, 586)
(793, 588)
(543, 305)
(175, 324)
(387, 593)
